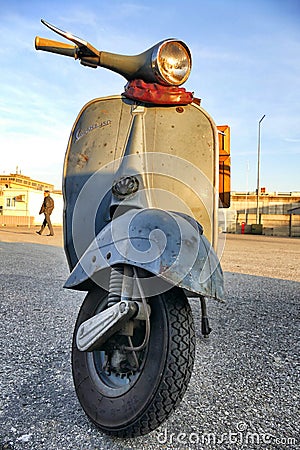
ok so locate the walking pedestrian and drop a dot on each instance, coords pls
(46, 209)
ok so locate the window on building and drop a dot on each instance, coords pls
(10, 202)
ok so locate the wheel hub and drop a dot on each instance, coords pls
(122, 363)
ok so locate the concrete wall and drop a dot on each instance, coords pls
(274, 214)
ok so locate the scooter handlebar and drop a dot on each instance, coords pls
(47, 45)
(158, 64)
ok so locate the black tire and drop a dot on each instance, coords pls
(151, 394)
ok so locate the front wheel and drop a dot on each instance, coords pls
(128, 402)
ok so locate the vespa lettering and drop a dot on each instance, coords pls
(80, 133)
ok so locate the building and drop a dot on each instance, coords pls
(21, 198)
(278, 213)
(17, 180)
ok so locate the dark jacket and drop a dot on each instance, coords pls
(47, 206)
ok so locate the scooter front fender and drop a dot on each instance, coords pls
(169, 245)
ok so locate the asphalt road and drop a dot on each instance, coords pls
(244, 392)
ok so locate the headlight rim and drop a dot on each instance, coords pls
(156, 65)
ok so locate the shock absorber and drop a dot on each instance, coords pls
(115, 285)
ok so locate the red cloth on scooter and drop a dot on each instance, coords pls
(156, 93)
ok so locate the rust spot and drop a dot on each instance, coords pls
(84, 157)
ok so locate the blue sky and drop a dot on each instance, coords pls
(246, 63)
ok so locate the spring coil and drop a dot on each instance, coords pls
(115, 285)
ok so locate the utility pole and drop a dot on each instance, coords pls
(258, 170)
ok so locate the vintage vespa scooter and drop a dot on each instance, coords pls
(140, 192)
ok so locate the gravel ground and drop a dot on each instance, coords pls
(266, 256)
(244, 392)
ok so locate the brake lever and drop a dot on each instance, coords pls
(85, 48)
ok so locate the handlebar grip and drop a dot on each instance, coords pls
(48, 45)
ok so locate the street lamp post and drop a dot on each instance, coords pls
(258, 170)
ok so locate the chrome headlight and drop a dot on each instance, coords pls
(172, 62)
